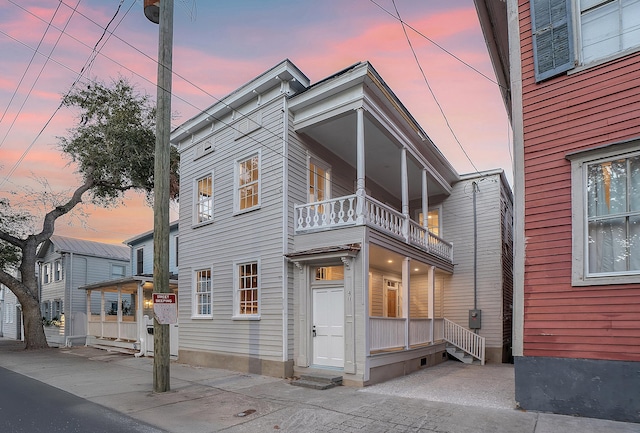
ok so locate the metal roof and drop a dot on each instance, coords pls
(88, 248)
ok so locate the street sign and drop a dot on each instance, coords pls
(165, 308)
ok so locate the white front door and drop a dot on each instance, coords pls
(328, 326)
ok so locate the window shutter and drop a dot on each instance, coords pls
(552, 37)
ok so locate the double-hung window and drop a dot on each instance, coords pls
(606, 210)
(46, 273)
(247, 183)
(247, 290)
(204, 199)
(202, 299)
(140, 261)
(57, 270)
(608, 27)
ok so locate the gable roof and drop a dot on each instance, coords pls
(148, 234)
(83, 247)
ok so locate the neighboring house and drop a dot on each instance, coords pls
(65, 265)
(570, 72)
(121, 312)
(10, 315)
(303, 242)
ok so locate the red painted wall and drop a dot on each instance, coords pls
(583, 110)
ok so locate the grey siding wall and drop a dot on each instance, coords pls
(229, 238)
(146, 244)
(457, 226)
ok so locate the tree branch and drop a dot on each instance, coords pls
(50, 218)
(12, 239)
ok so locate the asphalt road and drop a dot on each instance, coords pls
(29, 406)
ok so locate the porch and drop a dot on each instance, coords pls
(351, 211)
(120, 313)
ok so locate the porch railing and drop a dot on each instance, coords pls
(389, 332)
(109, 329)
(471, 343)
(343, 211)
(386, 333)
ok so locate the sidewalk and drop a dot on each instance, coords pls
(212, 400)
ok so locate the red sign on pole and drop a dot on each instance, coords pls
(165, 308)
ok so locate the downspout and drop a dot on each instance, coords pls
(285, 222)
(475, 248)
(70, 319)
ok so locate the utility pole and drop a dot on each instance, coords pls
(162, 12)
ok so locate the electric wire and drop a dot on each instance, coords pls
(48, 57)
(437, 45)
(24, 74)
(44, 65)
(424, 76)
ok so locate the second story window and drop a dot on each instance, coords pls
(46, 273)
(608, 27)
(319, 181)
(118, 271)
(57, 270)
(204, 199)
(140, 261)
(247, 183)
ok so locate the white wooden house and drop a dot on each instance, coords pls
(10, 315)
(120, 313)
(303, 242)
(65, 264)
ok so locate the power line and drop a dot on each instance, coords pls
(24, 74)
(424, 76)
(48, 57)
(404, 23)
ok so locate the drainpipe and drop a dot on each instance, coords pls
(475, 248)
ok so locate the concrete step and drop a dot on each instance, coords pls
(318, 381)
(460, 355)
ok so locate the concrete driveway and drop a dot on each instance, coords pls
(489, 385)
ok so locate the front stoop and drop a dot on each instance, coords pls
(317, 381)
(461, 355)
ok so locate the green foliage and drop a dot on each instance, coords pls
(14, 224)
(114, 141)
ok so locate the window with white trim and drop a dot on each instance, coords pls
(608, 27)
(46, 273)
(140, 261)
(202, 294)
(319, 180)
(247, 183)
(118, 271)
(599, 29)
(204, 199)
(247, 289)
(606, 215)
(57, 270)
(433, 220)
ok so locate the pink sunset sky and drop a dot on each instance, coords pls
(219, 46)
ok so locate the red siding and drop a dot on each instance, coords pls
(593, 107)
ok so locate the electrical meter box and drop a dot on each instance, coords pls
(475, 319)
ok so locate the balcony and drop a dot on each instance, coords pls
(350, 211)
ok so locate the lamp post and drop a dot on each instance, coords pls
(161, 12)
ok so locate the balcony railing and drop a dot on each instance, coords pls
(344, 211)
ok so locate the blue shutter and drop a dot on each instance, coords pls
(552, 37)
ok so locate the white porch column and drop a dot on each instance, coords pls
(119, 311)
(425, 200)
(406, 298)
(102, 314)
(142, 327)
(360, 166)
(404, 174)
(88, 295)
(431, 289)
